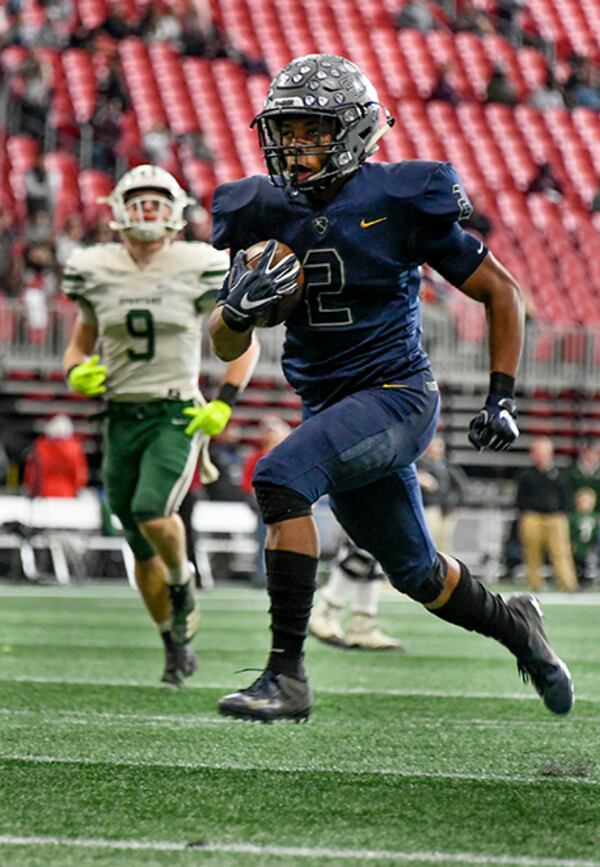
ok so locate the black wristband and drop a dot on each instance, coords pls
(502, 384)
(233, 321)
(70, 370)
(228, 393)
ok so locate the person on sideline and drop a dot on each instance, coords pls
(543, 500)
(56, 465)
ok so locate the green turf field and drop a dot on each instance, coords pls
(441, 756)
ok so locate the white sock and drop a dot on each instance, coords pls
(367, 597)
(180, 575)
(339, 588)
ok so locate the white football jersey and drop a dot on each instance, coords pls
(148, 318)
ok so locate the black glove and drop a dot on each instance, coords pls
(254, 290)
(495, 426)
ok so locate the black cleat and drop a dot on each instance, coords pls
(549, 675)
(185, 612)
(180, 662)
(271, 697)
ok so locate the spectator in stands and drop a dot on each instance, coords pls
(197, 145)
(69, 238)
(595, 205)
(57, 464)
(442, 89)
(582, 87)
(272, 431)
(39, 229)
(9, 271)
(356, 578)
(158, 143)
(39, 271)
(545, 181)
(201, 37)
(161, 25)
(469, 18)
(224, 452)
(110, 83)
(442, 488)
(199, 225)
(38, 190)
(543, 503)
(417, 15)
(585, 472)
(100, 231)
(499, 88)
(106, 124)
(585, 535)
(549, 94)
(507, 15)
(35, 95)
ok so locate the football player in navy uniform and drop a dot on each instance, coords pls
(353, 353)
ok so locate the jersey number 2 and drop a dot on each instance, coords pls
(324, 281)
(140, 324)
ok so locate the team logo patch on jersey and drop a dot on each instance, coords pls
(320, 225)
(366, 224)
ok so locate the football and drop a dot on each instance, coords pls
(283, 308)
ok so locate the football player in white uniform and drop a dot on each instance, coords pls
(143, 299)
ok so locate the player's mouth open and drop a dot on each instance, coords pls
(301, 172)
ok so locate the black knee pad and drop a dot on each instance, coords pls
(432, 586)
(359, 565)
(280, 504)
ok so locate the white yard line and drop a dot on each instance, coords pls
(356, 690)
(244, 598)
(360, 855)
(58, 717)
(478, 777)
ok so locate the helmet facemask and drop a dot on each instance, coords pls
(285, 162)
(147, 215)
(147, 204)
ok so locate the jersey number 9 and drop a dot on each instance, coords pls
(140, 325)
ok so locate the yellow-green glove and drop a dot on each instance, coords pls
(88, 377)
(211, 418)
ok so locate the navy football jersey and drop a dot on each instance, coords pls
(359, 325)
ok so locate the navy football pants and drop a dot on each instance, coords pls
(361, 452)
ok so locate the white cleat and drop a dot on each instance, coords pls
(325, 624)
(364, 633)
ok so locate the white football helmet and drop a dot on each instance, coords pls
(128, 200)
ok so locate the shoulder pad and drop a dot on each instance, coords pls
(429, 187)
(231, 198)
(82, 264)
(439, 191)
(193, 252)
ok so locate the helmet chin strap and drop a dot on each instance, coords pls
(371, 144)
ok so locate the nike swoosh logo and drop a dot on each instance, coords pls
(480, 248)
(366, 224)
(246, 304)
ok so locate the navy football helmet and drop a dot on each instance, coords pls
(333, 90)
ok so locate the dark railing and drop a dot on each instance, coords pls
(33, 335)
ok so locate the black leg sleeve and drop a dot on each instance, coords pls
(291, 582)
(473, 607)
